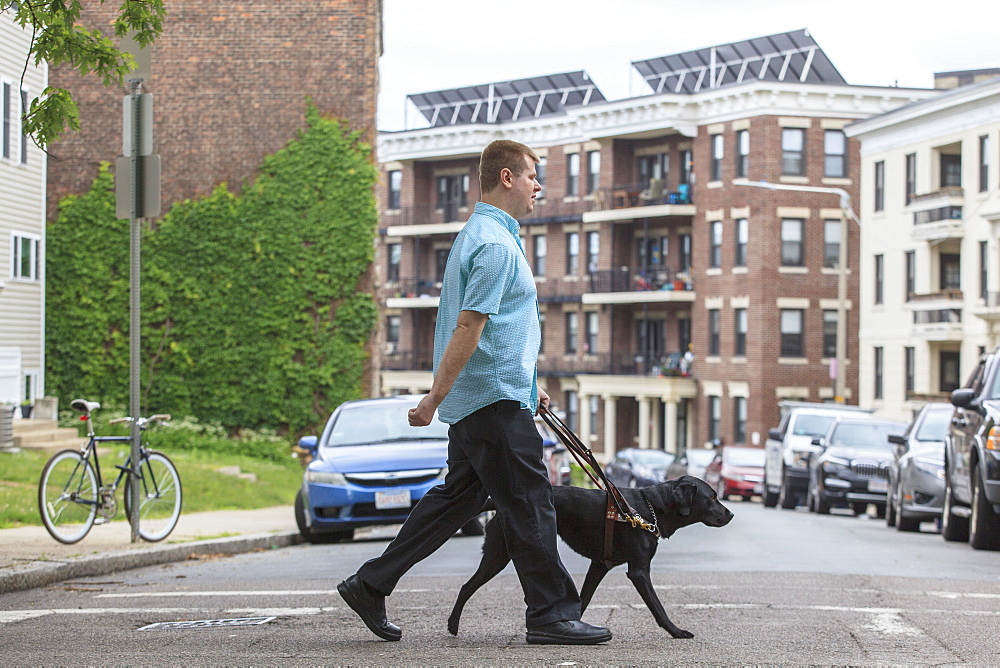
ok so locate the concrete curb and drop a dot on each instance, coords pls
(41, 573)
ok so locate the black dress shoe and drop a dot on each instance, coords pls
(370, 607)
(569, 632)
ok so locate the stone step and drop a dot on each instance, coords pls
(45, 435)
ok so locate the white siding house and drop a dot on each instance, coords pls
(930, 246)
(22, 224)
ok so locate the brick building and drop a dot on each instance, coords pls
(645, 241)
(229, 82)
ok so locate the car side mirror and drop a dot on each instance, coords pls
(309, 443)
(899, 444)
(559, 449)
(962, 397)
(818, 441)
(774, 434)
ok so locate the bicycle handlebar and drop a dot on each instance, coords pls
(143, 422)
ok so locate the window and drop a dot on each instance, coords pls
(739, 419)
(951, 169)
(791, 333)
(835, 154)
(24, 137)
(740, 327)
(540, 176)
(792, 253)
(948, 371)
(652, 250)
(831, 243)
(984, 163)
(541, 250)
(742, 152)
(715, 244)
(910, 361)
(594, 407)
(392, 330)
(590, 332)
(951, 271)
(793, 141)
(395, 188)
(879, 278)
(829, 333)
(983, 273)
(683, 333)
(6, 121)
(572, 410)
(685, 166)
(572, 324)
(878, 372)
(685, 264)
(742, 238)
(880, 185)
(572, 253)
(572, 174)
(25, 256)
(911, 275)
(714, 327)
(593, 170)
(717, 152)
(440, 263)
(593, 250)
(453, 192)
(652, 167)
(714, 418)
(911, 176)
(541, 331)
(395, 255)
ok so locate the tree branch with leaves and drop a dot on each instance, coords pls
(59, 38)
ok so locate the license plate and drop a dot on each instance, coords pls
(878, 486)
(386, 500)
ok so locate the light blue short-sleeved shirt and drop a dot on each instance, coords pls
(487, 272)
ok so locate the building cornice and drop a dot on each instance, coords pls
(660, 114)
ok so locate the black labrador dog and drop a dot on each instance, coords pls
(580, 516)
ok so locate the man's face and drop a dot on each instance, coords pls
(526, 187)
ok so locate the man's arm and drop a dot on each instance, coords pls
(463, 343)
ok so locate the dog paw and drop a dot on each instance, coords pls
(452, 627)
(680, 633)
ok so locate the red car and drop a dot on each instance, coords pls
(736, 471)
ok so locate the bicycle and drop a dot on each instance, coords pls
(72, 496)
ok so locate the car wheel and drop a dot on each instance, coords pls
(770, 498)
(984, 527)
(890, 507)
(904, 523)
(473, 527)
(859, 508)
(786, 497)
(822, 505)
(953, 527)
(300, 519)
(880, 510)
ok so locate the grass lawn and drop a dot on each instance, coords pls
(204, 486)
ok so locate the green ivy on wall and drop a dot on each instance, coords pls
(251, 313)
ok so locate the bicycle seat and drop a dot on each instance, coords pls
(84, 406)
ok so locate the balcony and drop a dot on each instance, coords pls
(989, 308)
(938, 215)
(412, 293)
(394, 359)
(639, 285)
(657, 365)
(938, 324)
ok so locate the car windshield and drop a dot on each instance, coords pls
(653, 458)
(812, 425)
(935, 425)
(380, 422)
(745, 457)
(868, 435)
(700, 457)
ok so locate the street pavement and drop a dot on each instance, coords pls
(30, 557)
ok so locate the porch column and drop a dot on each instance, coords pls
(643, 422)
(610, 428)
(583, 413)
(655, 436)
(670, 425)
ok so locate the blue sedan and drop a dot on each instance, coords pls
(369, 467)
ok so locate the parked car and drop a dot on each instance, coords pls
(736, 471)
(916, 474)
(691, 462)
(789, 447)
(638, 467)
(852, 468)
(972, 459)
(369, 467)
(554, 455)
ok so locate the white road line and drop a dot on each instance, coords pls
(220, 594)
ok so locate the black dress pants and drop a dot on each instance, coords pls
(495, 452)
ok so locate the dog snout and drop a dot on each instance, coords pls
(722, 516)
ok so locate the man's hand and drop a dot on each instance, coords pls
(543, 399)
(422, 415)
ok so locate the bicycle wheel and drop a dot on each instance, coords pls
(68, 496)
(159, 497)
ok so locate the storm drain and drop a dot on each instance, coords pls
(207, 623)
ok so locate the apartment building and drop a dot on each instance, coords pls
(22, 224)
(930, 262)
(649, 244)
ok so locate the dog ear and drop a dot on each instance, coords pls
(682, 497)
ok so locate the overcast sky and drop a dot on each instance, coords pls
(439, 44)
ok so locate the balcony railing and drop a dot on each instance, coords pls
(942, 296)
(407, 360)
(937, 215)
(949, 316)
(670, 365)
(414, 287)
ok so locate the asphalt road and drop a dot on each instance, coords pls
(773, 587)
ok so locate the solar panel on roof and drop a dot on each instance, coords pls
(791, 56)
(508, 100)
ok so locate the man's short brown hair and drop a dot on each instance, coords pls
(498, 155)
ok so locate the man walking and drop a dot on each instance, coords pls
(485, 386)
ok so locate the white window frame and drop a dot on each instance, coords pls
(35, 274)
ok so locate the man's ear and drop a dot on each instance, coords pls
(506, 177)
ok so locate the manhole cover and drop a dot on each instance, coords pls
(207, 623)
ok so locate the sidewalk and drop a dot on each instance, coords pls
(30, 557)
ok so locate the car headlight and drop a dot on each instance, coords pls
(931, 467)
(836, 465)
(326, 477)
(800, 458)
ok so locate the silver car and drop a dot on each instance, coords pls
(916, 477)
